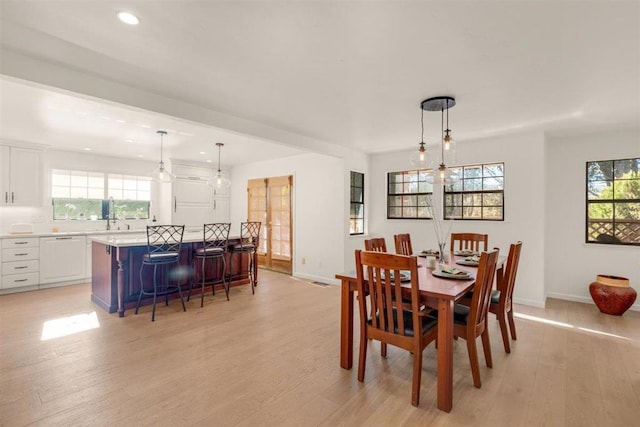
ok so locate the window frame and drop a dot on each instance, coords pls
(102, 213)
(614, 240)
(403, 194)
(353, 202)
(447, 190)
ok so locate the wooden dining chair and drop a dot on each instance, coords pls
(376, 244)
(501, 299)
(392, 315)
(470, 322)
(403, 244)
(469, 241)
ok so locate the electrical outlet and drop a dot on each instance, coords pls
(303, 261)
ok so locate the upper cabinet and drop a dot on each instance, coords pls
(20, 176)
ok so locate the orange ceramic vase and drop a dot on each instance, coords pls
(612, 294)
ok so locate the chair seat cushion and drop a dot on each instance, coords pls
(495, 296)
(427, 322)
(161, 257)
(243, 247)
(209, 251)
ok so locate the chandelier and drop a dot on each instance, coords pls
(441, 173)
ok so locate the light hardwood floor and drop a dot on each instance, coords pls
(271, 359)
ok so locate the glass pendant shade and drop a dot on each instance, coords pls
(420, 158)
(161, 174)
(443, 176)
(220, 181)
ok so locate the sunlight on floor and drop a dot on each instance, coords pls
(568, 326)
(64, 326)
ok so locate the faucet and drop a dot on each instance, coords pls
(111, 211)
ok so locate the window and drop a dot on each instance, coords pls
(613, 202)
(479, 195)
(78, 195)
(356, 218)
(407, 194)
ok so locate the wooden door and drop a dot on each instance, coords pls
(270, 203)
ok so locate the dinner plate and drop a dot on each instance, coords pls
(440, 273)
(465, 252)
(468, 262)
(405, 276)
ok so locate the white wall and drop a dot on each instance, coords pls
(318, 209)
(571, 263)
(523, 157)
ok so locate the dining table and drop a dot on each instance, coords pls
(436, 292)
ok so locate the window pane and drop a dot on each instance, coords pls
(423, 212)
(78, 192)
(492, 199)
(493, 212)
(599, 171)
(472, 184)
(600, 190)
(493, 170)
(623, 167)
(60, 192)
(60, 178)
(95, 193)
(453, 212)
(472, 212)
(79, 179)
(76, 209)
(408, 189)
(493, 183)
(473, 199)
(95, 180)
(395, 212)
(144, 185)
(601, 210)
(409, 212)
(628, 211)
(129, 184)
(472, 172)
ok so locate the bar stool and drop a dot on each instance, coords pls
(249, 236)
(163, 250)
(215, 239)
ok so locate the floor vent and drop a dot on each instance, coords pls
(320, 284)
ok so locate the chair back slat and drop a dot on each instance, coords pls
(377, 244)
(510, 272)
(469, 241)
(216, 235)
(479, 308)
(250, 234)
(383, 277)
(164, 238)
(403, 244)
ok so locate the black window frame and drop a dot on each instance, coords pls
(356, 198)
(393, 194)
(449, 194)
(614, 235)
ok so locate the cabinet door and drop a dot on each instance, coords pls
(5, 193)
(25, 177)
(192, 215)
(221, 209)
(191, 190)
(62, 259)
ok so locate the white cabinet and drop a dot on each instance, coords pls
(221, 209)
(62, 259)
(20, 262)
(192, 195)
(20, 176)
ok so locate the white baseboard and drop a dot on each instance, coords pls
(331, 281)
(584, 300)
(529, 302)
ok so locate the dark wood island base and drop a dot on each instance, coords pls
(115, 264)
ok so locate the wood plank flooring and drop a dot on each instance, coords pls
(271, 359)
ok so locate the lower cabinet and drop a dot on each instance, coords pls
(62, 259)
(20, 262)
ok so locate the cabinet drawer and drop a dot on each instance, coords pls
(21, 267)
(20, 254)
(17, 280)
(24, 242)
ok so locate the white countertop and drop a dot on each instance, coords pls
(140, 239)
(73, 233)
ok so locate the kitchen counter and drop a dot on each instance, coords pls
(140, 238)
(73, 233)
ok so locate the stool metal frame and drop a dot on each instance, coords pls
(215, 239)
(249, 239)
(164, 243)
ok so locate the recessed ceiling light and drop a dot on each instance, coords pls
(87, 149)
(128, 140)
(209, 161)
(128, 18)
(121, 121)
(202, 152)
(145, 126)
(140, 156)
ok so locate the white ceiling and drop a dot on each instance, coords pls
(343, 72)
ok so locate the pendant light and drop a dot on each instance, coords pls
(160, 174)
(419, 158)
(220, 181)
(442, 174)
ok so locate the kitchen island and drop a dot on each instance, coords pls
(116, 262)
